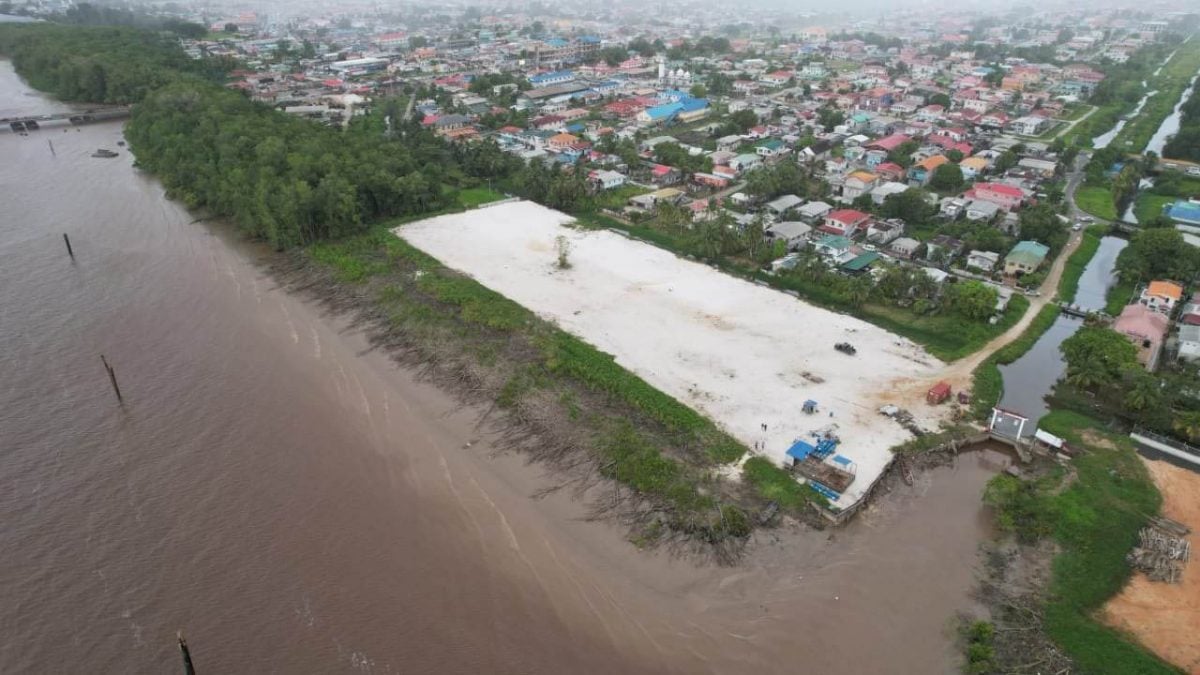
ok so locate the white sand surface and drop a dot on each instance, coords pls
(743, 354)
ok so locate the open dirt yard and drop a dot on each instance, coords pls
(1166, 617)
(745, 355)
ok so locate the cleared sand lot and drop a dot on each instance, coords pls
(742, 354)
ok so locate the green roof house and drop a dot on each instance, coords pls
(1025, 257)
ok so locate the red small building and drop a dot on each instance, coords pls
(938, 393)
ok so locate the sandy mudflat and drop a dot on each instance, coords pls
(1166, 617)
(742, 354)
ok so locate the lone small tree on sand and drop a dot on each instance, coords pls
(564, 251)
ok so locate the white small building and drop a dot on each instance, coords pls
(905, 247)
(984, 260)
(781, 205)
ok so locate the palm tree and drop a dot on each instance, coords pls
(1086, 375)
(860, 290)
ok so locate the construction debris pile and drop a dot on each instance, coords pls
(1162, 551)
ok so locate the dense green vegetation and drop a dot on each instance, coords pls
(277, 177)
(1068, 285)
(1170, 84)
(1095, 522)
(1096, 200)
(100, 64)
(1158, 253)
(1185, 144)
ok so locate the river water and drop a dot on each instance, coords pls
(1029, 379)
(296, 503)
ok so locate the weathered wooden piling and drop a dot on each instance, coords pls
(188, 668)
(112, 378)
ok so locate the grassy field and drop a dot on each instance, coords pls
(472, 197)
(1075, 111)
(1095, 521)
(1170, 84)
(1150, 206)
(1097, 201)
(638, 435)
(1069, 283)
(1118, 296)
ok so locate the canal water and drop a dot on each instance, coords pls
(1170, 126)
(1029, 379)
(296, 503)
(1107, 137)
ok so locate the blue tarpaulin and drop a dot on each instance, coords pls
(800, 450)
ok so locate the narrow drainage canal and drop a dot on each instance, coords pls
(1029, 379)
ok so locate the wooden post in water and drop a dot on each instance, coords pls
(112, 378)
(188, 668)
(51, 143)
(68, 241)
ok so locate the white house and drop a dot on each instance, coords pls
(905, 247)
(984, 260)
(782, 205)
(794, 233)
(607, 180)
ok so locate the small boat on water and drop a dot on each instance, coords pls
(106, 154)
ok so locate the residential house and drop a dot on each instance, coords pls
(844, 222)
(943, 247)
(606, 180)
(782, 205)
(1042, 167)
(1007, 197)
(1190, 315)
(858, 183)
(771, 149)
(791, 232)
(650, 200)
(884, 232)
(973, 167)
(1189, 342)
(662, 175)
(561, 141)
(881, 192)
(729, 143)
(1161, 296)
(834, 248)
(1029, 125)
(983, 260)
(920, 173)
(952, 207)
(745, 162)
(978, 209)
(1146, 329)
(904, 247)
(1025, 257)
(813, 212)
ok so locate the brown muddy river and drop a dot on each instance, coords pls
(296, 503)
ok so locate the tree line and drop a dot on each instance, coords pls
(101, 64)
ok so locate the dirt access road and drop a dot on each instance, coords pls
(959, 374)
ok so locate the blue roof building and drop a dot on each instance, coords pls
(547, 79)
